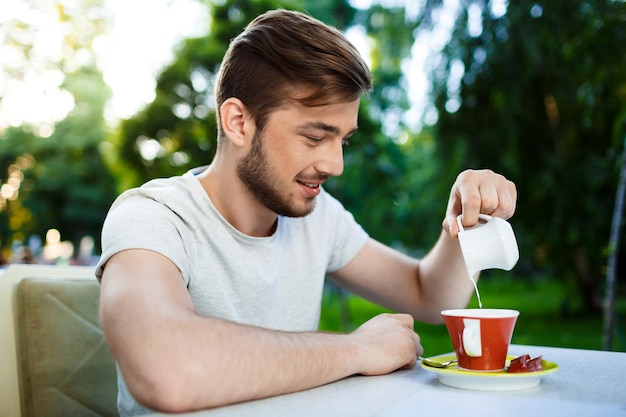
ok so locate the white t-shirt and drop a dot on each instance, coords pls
(274, 282)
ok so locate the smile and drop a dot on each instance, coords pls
(311, 189)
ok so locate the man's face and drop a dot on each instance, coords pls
(298, 150)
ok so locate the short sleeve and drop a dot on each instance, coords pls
(139, 222)
(349, 236)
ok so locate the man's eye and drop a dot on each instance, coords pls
(313, 140)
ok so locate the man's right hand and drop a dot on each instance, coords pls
(388, 343)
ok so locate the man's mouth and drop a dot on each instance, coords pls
(311, 189)
(310, 185)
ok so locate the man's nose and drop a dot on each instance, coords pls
(332, 160)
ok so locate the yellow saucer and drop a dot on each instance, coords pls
(488, 381)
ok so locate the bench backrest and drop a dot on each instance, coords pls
(54, 359)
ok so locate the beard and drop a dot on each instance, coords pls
(256, 173)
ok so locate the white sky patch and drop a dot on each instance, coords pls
(357, 36)
(36, 97)
(361, 4)
(425, 57)
(474, 21)
(498, 8)
(140, 44)
(425, 52)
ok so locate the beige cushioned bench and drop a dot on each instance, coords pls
(57, 362)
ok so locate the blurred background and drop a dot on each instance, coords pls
(97, 96)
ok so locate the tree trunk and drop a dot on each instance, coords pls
(609, 296)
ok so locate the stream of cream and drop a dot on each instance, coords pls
(480, 303)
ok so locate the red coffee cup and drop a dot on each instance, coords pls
(480, 337)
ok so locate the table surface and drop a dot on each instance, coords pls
(587, 383)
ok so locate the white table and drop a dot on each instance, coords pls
(588, 383)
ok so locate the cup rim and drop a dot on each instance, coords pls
(482, 313)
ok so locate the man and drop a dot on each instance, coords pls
(211, 282)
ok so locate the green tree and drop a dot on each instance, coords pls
(541, 99)
(66, 184)
(55, 173)
(385, 179)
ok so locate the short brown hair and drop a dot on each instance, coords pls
(281, 49)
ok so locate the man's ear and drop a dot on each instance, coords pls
(236, 121)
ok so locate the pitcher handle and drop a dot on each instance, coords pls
(459, 220)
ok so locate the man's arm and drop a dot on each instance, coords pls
(424, 287)
(174, 360)
(421, 288)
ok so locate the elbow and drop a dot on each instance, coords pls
(431, 312)
(434, 308)
(427, 316)
(434, 318)
(171, 390)
(157, 390)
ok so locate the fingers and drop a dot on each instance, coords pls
(406, 319)
(391, 343)
(476, 192)
(419, 350)
(414, 348)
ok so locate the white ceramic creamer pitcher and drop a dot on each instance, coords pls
(490, 244)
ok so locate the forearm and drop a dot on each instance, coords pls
(444, 280)
(207, 362)
(246, 363)
(421, 288)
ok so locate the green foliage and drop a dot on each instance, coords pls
(543, 102)
(56, 169)
(386, 179)
(66, 184)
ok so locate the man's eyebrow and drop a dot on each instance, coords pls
(326, 127)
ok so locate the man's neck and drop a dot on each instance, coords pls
(235, 203)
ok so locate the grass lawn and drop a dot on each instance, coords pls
(550, 315)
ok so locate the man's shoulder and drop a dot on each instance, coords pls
(165, 191)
